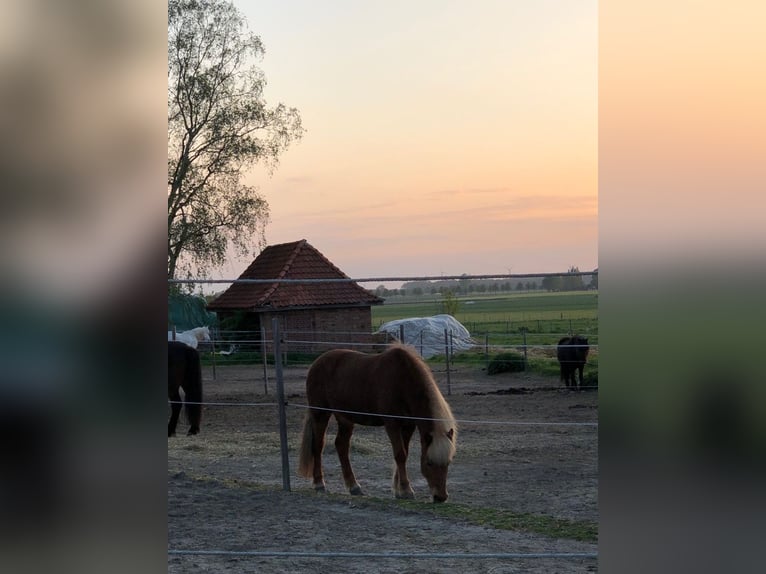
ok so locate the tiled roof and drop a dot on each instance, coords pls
(296, 260)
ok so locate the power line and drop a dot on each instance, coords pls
(385, 279)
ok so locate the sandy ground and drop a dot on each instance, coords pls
(225, 485)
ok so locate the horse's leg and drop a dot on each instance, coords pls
(399, 444)
(343, 446)
(400, 486)
(580, 368)
(175, 411)
(319, 421)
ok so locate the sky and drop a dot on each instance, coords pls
(442, 137)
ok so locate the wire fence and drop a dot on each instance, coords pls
(282, 404)
(388, 555)
(389, 416)
(301, 348)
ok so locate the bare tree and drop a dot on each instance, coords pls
(218, 126)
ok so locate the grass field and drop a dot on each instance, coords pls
(538, 313)
(515, 323)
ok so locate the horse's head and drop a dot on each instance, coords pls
(438, 448)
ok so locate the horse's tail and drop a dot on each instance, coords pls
(306, 458)
(193, 389)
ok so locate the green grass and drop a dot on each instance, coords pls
(581, 530)
(506, 315)
(496, 307)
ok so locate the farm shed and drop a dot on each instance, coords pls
(310, 314)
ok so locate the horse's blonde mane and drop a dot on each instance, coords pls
(442, 449)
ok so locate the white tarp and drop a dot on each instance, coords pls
(426, 334)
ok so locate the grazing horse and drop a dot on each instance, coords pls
(394, 389)
(191, 337)
(572, 353)
(184, 372)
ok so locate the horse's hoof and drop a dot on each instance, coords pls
(356, 491)
(407, 495)
(193, 432)
(320, 488)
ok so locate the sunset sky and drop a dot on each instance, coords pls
(442, 137)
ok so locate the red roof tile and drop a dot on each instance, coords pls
(296, 260)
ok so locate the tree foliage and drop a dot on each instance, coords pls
(218, 126)
(450, 302)
(573, 282)
(553, 283)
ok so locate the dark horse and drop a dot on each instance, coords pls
(374, 390)
(184, 372)
(572, 353)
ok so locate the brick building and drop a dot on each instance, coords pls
(312, 316)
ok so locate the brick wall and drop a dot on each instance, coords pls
(317, 330)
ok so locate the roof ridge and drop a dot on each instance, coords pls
(285, 269)
(331, 264)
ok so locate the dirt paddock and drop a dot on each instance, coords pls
(225, 485)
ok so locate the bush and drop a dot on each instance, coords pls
(506, 363)
(590, 378)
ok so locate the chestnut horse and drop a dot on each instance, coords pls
(394, 389)
(184, 372)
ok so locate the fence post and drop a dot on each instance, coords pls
(401, 333)
(446, 354)
(281, 405)
(421, 343)
(212, 343)
(486, 349)
(265, 361)
(524, 335)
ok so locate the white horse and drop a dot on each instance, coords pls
(191, 337)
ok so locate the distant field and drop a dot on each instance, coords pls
(501, 312)
(526, 323)
(530, 323)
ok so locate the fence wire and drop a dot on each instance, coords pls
(388, 555)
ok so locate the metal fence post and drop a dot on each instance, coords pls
(265, 361)
(446, 354)
(486, 350)
(524, 335)
(212, 344)
(281, 405)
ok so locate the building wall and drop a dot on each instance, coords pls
(306, 330)
(316, 330)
